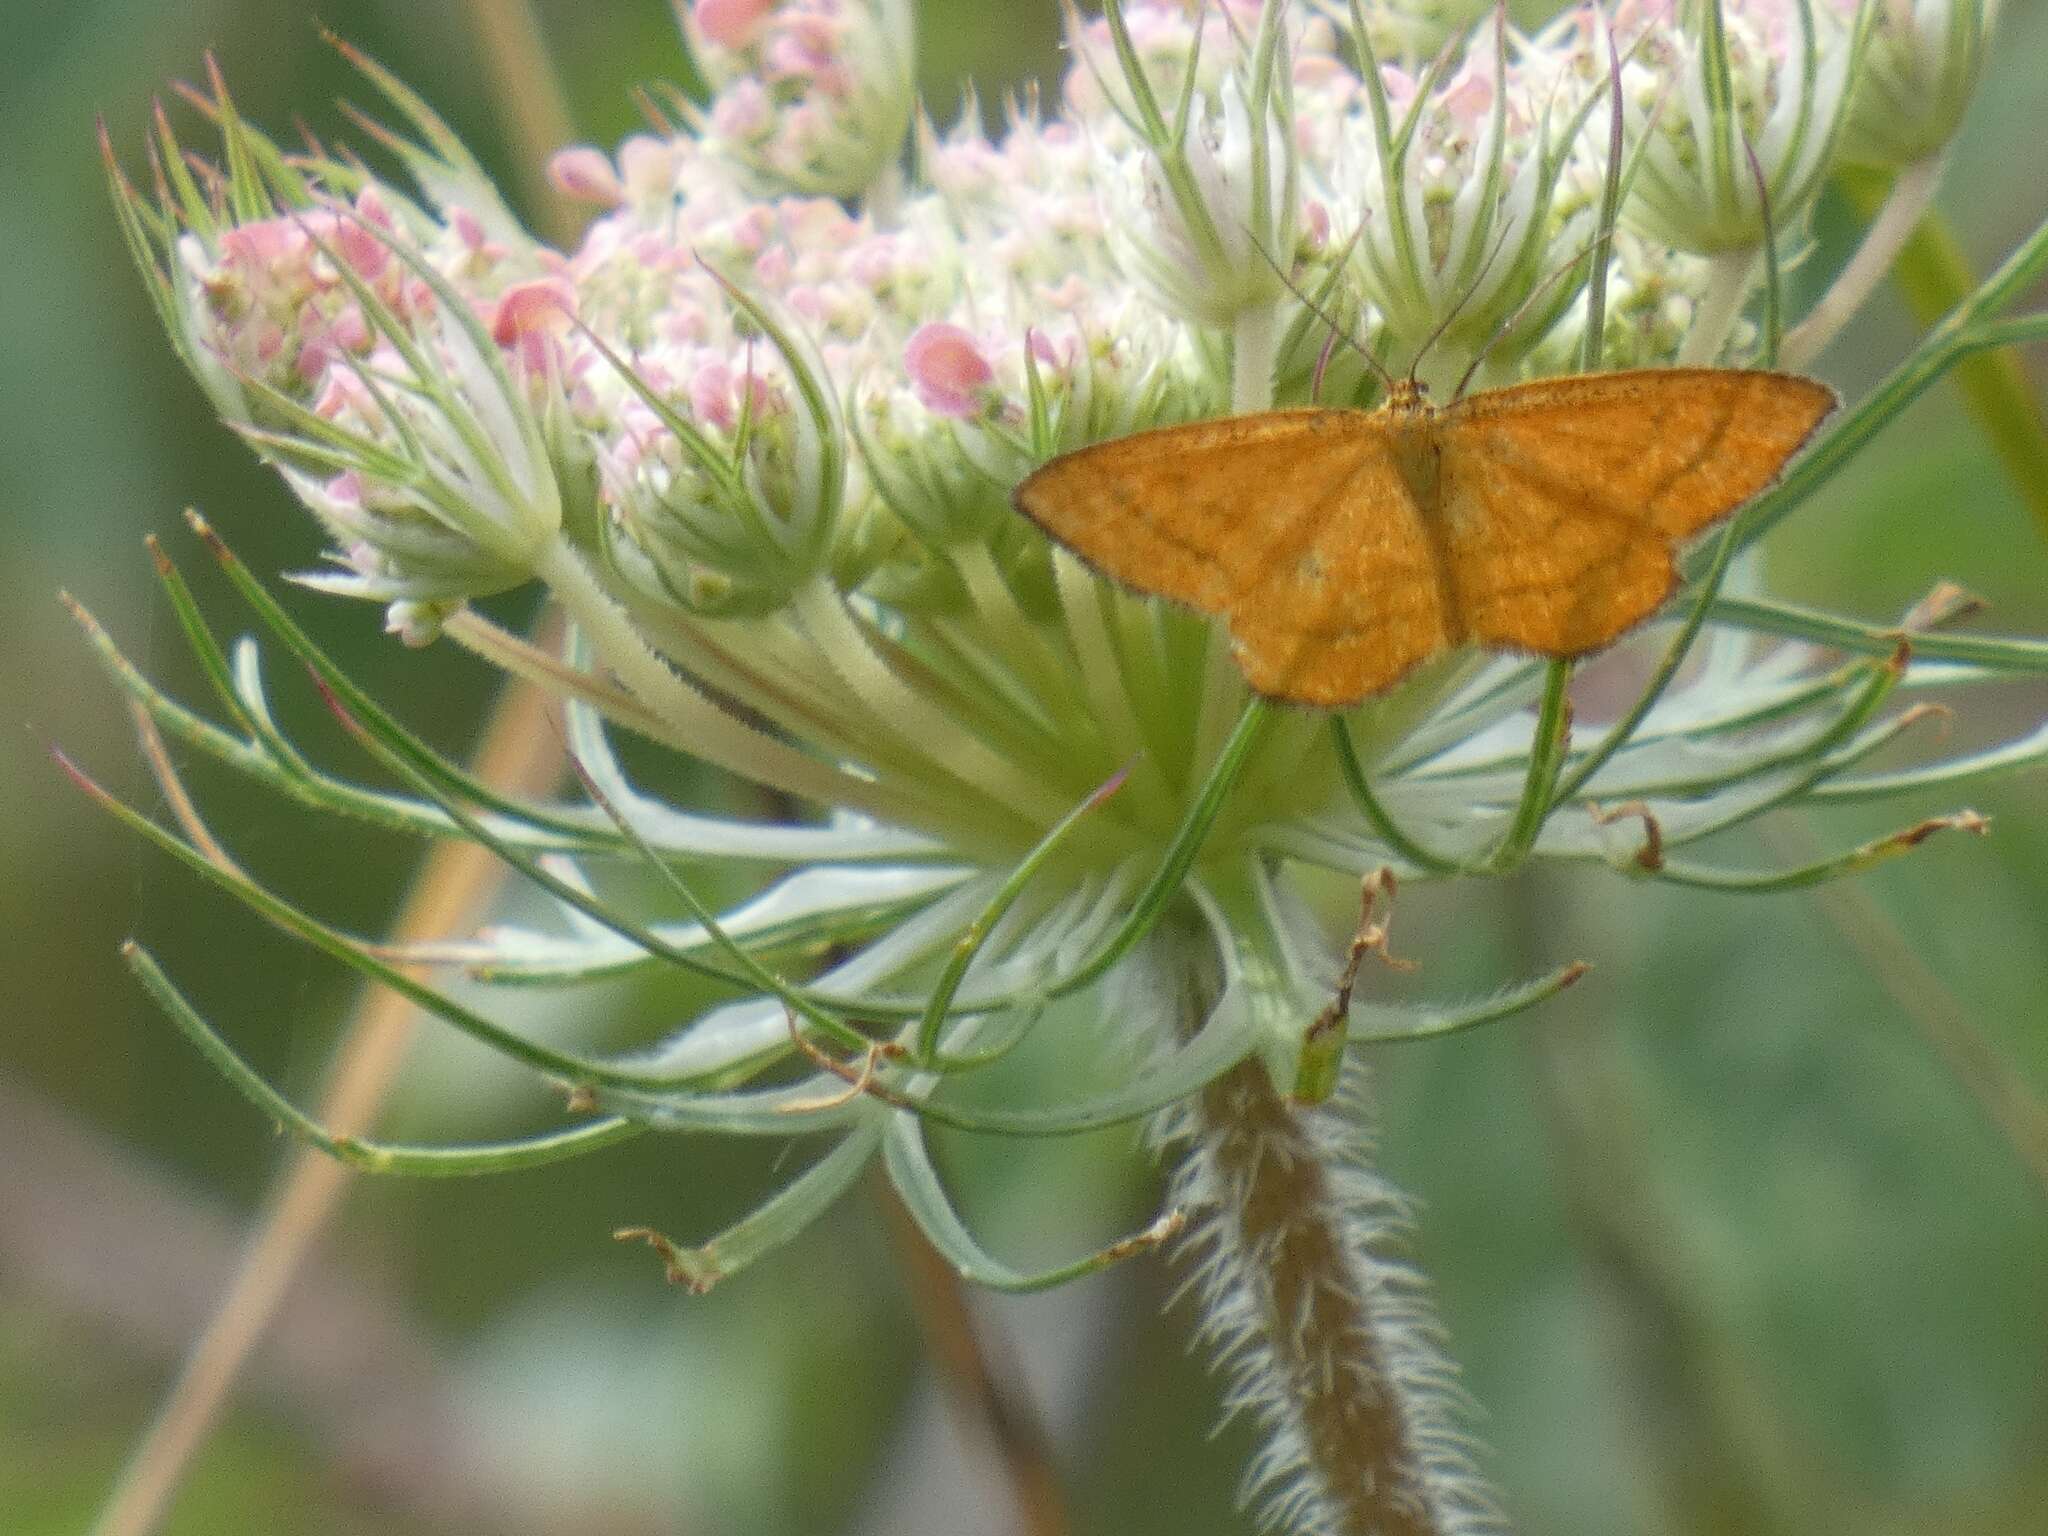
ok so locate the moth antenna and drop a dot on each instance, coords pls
(1336, 332)
(1500, 22)
(1523, 308)
(1471, 291)
(1315, 381)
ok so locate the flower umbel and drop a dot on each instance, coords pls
(1463, 232)
(757, 436)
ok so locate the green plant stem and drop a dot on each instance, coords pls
(1893, 222)
(1256, 339)
(1730, 275)
(1547, 748)
(1934, 274)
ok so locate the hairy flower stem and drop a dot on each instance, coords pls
(1314, 1308)
(1311, 1311)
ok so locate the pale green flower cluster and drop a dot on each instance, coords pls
(1739, 114)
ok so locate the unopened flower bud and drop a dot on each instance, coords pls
(1919, 74)
(1723, 82)
(725, 483)
(586, 174)
(1462, 222)
(814, 96)
(1204, 207)
(1416, 31)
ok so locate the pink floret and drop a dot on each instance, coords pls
(947, 369)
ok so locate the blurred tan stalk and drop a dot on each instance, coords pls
(982, 1379)
(534, 111)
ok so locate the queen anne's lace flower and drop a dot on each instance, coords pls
(758, 434)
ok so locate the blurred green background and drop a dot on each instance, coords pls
(1722, 1245)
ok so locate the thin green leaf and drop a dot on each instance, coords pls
(1774, 283)
(1151, 121)
(370, 1156)
(445, 775)
(1625, 727)
(1998, 653)
(148, 248)
(924, 1196)
(1967, 329)
(353, 953)
(246, 200)
(2025, 752)
(1375, 814)
(1855, 861)
(569, 962)
(750, 968)
(190, 203)
(1378, 1024)
(446, 171)
(977, 933)
(1225, 1040)
(313, 788)
(1391, 157)
(213, 661)
(178, 721)
(1591, 354)
(792, 1208)
(820, 1102)
(1934, 273)
(1546, 760)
